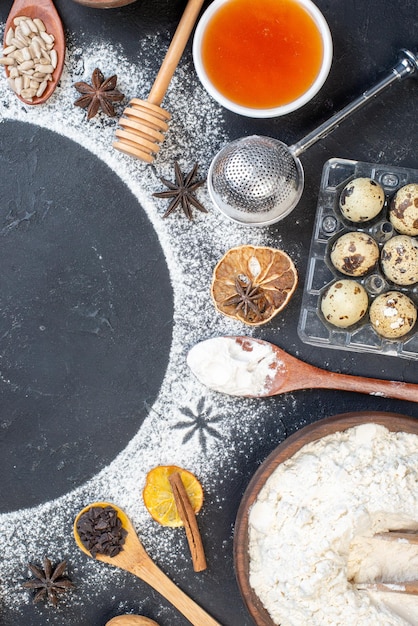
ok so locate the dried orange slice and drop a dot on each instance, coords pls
(158, 495)
(253, 283)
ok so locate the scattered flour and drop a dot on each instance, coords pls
(191, 249)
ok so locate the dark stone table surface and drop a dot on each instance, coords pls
(58, 407)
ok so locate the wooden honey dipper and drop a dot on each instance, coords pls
(144, 122)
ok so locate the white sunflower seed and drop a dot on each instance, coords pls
(19, 84)
(7, 61)
(32, 25)
(26, 54)
(40, 25)
(28, 93)
(41, 67)
(54, 58)
(40, 41)
(18, 43)
(8, 50)
(9, 36)
(41, 88)
(48, 39)
(24, 27)
(27, 65)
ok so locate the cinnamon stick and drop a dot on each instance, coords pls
(188, 517)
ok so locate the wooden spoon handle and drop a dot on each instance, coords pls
(151, 574)
(311, 377)
(409, 587)
(372, 386)
(174, 52)
(402, 537)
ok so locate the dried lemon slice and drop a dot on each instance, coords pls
(158, 495)
(253, 283)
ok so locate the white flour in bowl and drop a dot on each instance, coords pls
(311, 531)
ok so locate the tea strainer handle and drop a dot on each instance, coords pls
(406, 66)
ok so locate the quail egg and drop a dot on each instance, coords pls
(344, 303)
(354, 253)
(393, 314)
(399, 259)
(403, 212)
(361, 200)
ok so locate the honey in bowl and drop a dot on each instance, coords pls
(263, 55)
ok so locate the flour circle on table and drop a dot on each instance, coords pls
(200, 426)
(80, 315)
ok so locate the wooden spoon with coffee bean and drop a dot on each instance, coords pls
(93, 526)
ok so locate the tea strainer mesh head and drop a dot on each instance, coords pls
(255, 180)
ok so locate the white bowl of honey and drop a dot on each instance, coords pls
(262, 58)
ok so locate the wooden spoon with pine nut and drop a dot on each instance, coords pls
(43, 15)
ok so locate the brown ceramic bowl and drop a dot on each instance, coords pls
(284, 451)
(104, 4)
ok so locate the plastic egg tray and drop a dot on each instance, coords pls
(329, 225)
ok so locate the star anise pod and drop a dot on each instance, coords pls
(248, 297)
(99, 95)
(182, 192)
(49, 582)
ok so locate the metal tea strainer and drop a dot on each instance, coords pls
(259, 180)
